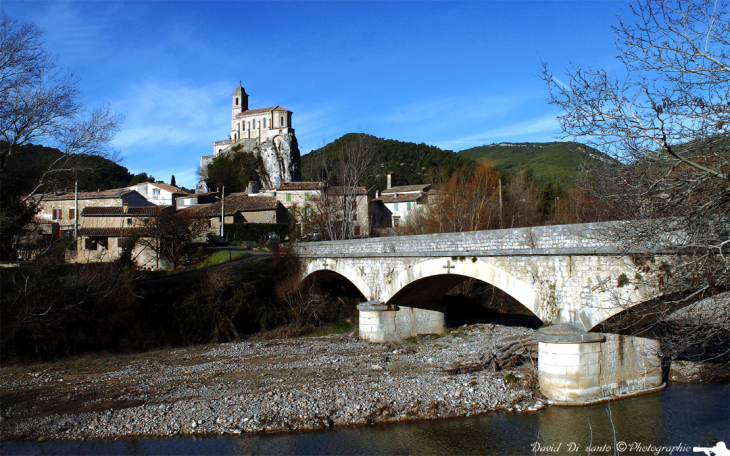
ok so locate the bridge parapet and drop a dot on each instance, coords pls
(580, 237)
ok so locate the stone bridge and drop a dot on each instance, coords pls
(564, 274)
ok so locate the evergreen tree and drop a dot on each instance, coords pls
(172, 181)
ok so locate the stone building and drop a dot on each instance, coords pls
(395, 205)
(239, 208)
(159, 193)
(305, 202)
(104, 230)
(60, 207)
(265, 132)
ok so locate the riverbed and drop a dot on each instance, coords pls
(670, 422)
(262, 386)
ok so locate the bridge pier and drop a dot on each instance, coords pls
(388, 323)
(580, 368)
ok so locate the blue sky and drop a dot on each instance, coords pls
(450, 74)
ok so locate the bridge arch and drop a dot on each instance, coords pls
(343, 269)
(450, 272)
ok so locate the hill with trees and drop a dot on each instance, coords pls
(556, 162)
(93, 172)
(410, 163)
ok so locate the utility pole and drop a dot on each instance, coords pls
(76, 212)
(223, 208)
(500, 202)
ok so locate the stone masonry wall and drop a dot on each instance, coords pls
(584, 372)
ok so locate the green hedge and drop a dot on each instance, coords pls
(252, 232)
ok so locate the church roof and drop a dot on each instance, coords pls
(261, 111)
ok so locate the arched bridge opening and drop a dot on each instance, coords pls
(334, 284)
(465, 300)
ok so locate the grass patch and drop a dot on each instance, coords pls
(222, 256)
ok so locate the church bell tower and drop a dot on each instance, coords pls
(240, 101)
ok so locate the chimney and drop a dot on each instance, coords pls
(390, 180)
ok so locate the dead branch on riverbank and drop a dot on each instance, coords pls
(513, 354)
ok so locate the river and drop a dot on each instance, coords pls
(683, 416)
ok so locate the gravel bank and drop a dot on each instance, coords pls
(266, 386)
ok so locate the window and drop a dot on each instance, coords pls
(243, 126)
(129, 222)
(395, 206)
(236, 101)
(306, 212)
(273, 193)
(264, 125)
(90, 244)
(57, 215)
(357, 230)
(282, 121)
(307, 196)
(155, 192)
(408, 206)
(253, 124)
(71, 214)
(354, 216)
(288, 196)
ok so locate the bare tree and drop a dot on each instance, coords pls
(169, 235)
(522, 206)
(338, 203)
(469, 201)
(665, 119)
(41, 102)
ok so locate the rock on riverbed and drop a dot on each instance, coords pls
(262, 386)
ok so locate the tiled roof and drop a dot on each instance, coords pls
(235, 202)
(112, 232)
(168, 187)
(341, 190)
(402, 197)
(112, 193)
(297, 186)
(112, 211)
(407, 188)
(261, 111)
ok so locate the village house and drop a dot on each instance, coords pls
(239, 208)
(159, 193)
(60, 207)
(305, 202)
(104, 231)
(197, 198)
(396, 205)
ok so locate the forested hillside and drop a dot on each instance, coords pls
(92, 172)
(558, 162)
(410, 163)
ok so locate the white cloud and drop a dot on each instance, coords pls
(514, 132)
(160, 116)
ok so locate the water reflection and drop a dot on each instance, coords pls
(689, 415)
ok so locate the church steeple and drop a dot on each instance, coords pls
(240, 100)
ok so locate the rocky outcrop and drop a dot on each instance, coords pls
(280, 157)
